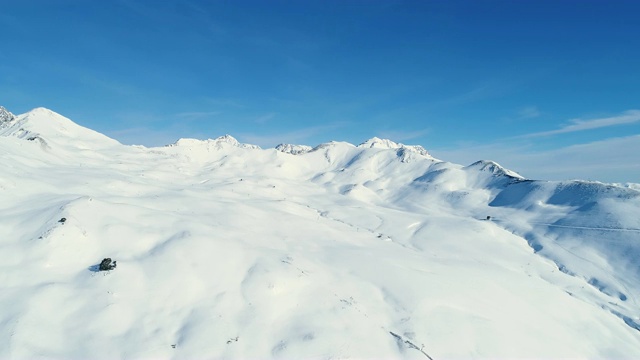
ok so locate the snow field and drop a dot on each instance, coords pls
(377, 251)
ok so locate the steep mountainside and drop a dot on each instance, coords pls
(226, 250)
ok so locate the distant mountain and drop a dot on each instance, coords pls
(227, 250)
(49, 128)
(495, 169)
(215, 144)
(293, 149)
(5, 116)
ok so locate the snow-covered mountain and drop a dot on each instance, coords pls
(47, 127)
(226, 250)
(294, 149)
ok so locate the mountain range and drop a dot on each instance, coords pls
(227, 250)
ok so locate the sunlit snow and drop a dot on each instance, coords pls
(226, 250)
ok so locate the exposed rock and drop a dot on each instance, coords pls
(5, 115)
(294, 149)
(107, 265)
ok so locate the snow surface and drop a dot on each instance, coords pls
(226, 250)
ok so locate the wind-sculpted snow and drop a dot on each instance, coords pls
(225, 250)
(590, 230)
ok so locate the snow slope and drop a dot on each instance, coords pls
(226, 250)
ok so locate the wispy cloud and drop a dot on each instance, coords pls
(224, 102)
(264, 118)
(600, 160)
(523, 114)
(628, 117)
(486, 90)
(472, 95)
(529, 112)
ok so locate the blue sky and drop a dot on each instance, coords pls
(547, 88)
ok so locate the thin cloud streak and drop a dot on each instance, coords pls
(529, 112)
(475, 94)
(628, 117)
(264, 118)
(599, 160)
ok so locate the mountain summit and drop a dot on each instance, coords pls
(5, 116)
(52, 129)
(495, 169)
(377, 143)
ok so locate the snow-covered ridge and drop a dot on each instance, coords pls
(293, 149)
(634, 186)
(52, 129)
(217, 143)
(495, 169)
(378, 143)
(405, 152)
(373, 143)
(48, 126)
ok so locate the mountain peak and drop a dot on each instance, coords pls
(42, 110)
(51, 128)
(494, 168)
(228, 139)
(293, 149)
(5, 115)
(405, 152)
(376, 142)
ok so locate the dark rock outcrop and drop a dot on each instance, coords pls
(107, 265)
